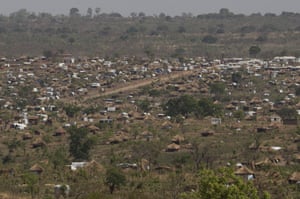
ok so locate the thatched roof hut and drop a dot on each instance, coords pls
(115, 140)
(164, 168)
(38, 143)
(266, 161)
(294, 178)
(230, 107)
(36, 168)
(147, 135)
(167, 125)
(245, 173)
(204, 90)
(207, 133)
(177, 139)
(120, 137)
(145, 165)
(297, 157)
(172, 147)
(243, 170)
(255, 100)
(59, 132)
(94, 166)
(93, 129)
(33, 120)
(27, 136)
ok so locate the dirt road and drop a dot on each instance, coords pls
(139, 83)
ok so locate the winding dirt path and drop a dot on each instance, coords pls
(137, 84)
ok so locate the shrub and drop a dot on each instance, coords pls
(209, 39)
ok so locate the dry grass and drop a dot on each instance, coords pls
(11, 196)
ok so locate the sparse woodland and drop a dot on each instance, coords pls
(222, 34)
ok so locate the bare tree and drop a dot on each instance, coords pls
(201, 156)
(97, 11)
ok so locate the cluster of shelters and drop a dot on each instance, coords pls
(36, 92)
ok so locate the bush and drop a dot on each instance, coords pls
(181, 29)
(187, 104)
(144, 105)
(206, 107)
(183, 105)
(287, 113)
(254, 50)
(114, 179)
(209, 39)
(298, 91)
(131, 30)
(80, 143)
(236, 77)
(71, 110)
(223, 184)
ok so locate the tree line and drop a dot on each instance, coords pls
(108, 34)
(186, 105)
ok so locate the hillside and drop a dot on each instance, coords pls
(136, 128)
(214, 35)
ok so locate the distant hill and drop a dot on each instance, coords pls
(212, 35)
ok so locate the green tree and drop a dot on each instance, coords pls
(20, 16)
(131, 30)
(179, 53)
(162, 28)
(124, 37)
(25, 91)
(144, 105)
(236, 77)
(71, 40)
(71, 110)
(91, 109)
(181, 29)
(217, 88)
(155, 92)
(59, 157)
(142, 14)
(239, 114)
(287, 113)
(114, 179)
(80, 143)
(89, 12)
(74, 12)
(48, 53)
(6, 116)
(254, 51)
(148, 51)
(97, 11)
(133, 14)
(247, 29)
(222, 184)
(206, 107)
(209, 39)
(31, 180)
(298, 91)
(13, 144)
(183, 105)
(261, 38)
(147, 150)
(201, 155)
(224, 12)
